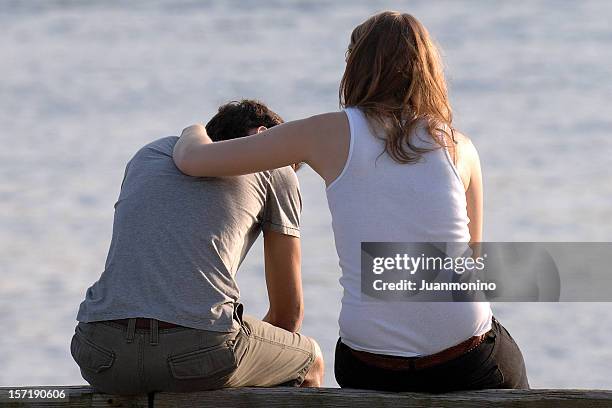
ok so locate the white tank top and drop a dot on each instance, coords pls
(377, 199)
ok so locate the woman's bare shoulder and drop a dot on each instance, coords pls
(330, 133)
(465, 144)
(461, 138)
(335, 120)
(468, 161)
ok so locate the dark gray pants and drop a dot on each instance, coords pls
(496, 363)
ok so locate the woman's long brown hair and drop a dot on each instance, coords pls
(394, 75)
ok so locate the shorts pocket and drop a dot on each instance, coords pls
(218, 360)
(90, 356)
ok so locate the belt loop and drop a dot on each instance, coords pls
(238, 308)
(131, 329)
(154, 331)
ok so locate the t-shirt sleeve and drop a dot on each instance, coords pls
(283, 203)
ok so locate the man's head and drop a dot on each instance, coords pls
(238, 119)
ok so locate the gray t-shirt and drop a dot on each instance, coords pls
(178, 240)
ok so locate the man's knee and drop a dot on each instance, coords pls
(314, 377)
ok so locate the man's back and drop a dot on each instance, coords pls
(178, 240)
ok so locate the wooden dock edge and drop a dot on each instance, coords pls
(83, 396)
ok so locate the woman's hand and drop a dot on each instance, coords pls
(191, 137)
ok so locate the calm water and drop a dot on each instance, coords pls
(83, 85)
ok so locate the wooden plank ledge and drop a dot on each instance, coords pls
(83, 396)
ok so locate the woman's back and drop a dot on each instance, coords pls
(378, 199)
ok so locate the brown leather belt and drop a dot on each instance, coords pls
(142, 323)
(419, 363)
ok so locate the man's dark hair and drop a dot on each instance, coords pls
(236, 118)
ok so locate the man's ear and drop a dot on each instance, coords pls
(261, 129)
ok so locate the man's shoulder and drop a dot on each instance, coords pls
(284, 189)
(163, 145)
(159, 147)
(284, 178)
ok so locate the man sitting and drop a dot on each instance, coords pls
(165, 313)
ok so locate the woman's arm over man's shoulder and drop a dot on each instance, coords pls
(316, 140)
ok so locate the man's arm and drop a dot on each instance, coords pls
(283, 278)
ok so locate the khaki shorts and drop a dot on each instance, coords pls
(117, 360)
